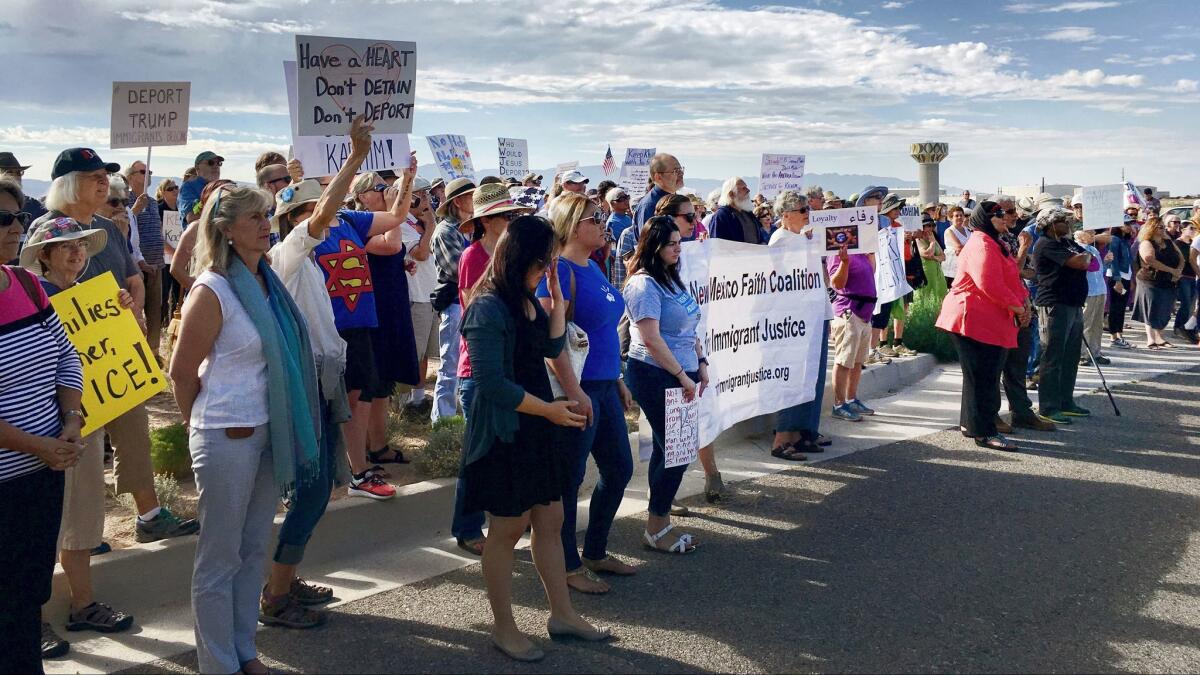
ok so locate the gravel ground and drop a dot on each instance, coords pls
(1079, 554)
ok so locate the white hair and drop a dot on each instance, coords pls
(713, 198)
(730, 185)
(814, 192)
(789, 200)
(64, 191)
(117, 186)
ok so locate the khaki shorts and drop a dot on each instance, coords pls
(851, 340)
(425, 330)
(83, 500)
(130, 437)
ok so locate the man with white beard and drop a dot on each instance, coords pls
(734, 219)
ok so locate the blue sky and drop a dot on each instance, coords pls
(1073, 91)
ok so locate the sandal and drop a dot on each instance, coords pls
(788, 452)
(823, 441)
(586, 582)
(381, 456)
(1165, 345)
(100, 618)
(308, 593)
(808, 446)
(473, 546)
(996, 442)
(684, 544)
(1153, 346)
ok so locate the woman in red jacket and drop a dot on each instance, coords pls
(981, 312)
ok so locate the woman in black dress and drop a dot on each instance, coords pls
(514, 466)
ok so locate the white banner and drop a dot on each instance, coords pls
(1103, 206)
(910, 217)
(777, 173)
(339, 79)
(853, 228)
(172, 229)
(452, 156)
(635, 172)
(890, 282)
(149, 114)
(761, 326)
(514, 157)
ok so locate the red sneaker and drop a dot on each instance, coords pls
(371, 486)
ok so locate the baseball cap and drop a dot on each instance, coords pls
(616, 194)
(80, 159)
(207, 155)
(574, 177)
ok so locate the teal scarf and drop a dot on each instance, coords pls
(295, 419)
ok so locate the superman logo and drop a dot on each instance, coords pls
(346, 273)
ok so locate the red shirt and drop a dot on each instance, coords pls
(988, 283)
(471, 266)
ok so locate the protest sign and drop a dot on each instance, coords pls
(452, 156)
(1103, 206)
(565, 167)
(635, 172)
(514, 157)
(148, 114)
(681, 429)
(890, 282)
(853, 227)
(910, 217)
(119, 370)
(762, 313)
(780, 172)
(172, 228)
(324, 155)
(338, 79)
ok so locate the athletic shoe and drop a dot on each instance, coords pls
(370, 486)
(1077, 411)
(874, 357)
(165, 526)
(288, 613)
(1103, 360)
(53, 646)
(100, 618)
(1056, 417)
(844, 412)
(889, 352)
(901, 350)
(859, 407)
(1120, 343)
(1033, 421)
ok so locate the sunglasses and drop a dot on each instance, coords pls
(690, 217)
(281, 179)
(214, 162)
(116, 202)
(380, 187)
(175, 188)
(142, 172)
(802, 209)
(8, 218)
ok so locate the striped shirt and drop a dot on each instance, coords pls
(35, 359)
(149, 229)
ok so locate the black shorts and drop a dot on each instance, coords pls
(361, 374)
(881, 319)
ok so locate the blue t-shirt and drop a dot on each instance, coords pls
(617, 223)
(645, 208)
(1095, 273)
(189, 194)
(342, 258)
(597, 311)
(678, 315)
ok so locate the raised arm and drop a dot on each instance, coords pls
(331, 199)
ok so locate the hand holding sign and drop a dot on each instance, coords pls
(360, 136)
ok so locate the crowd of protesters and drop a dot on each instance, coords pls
(293, 315)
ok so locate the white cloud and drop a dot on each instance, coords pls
(1180, 87)
(1151, 61)
(893, 4)
(1073, 34)
(1031, 8)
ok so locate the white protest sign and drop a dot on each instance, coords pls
(340, 78)
(172, 229)
(681, 429)
(324, 155)
(148, 114)
(452, 156)
(762, 310)
(910, 217)
(780, 172)
(514, 157)
(565, 167)
(1103, 206)
(890, 282)
(635, 172)
(853, 227)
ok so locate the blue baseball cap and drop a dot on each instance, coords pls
(870, 191)
(80, 159)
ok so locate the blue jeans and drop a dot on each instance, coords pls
(1186, 293)
(1035, 352)
(465, 525)
(310, 498)
(648, 385)
(607, 440)
(444, 404)
(806, 417)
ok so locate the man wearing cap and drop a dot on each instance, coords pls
(966, 202)
(667, 176)
(9, 166)
(1062, 289)
(619, 206)
(208, 168)
(448, 243)
(574, 181)
(79, 189)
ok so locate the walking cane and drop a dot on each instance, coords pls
(1103, 382)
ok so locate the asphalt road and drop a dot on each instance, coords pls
(1080, 554)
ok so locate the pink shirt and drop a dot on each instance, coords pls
(471, 265)
(988, 283)
(14, 301)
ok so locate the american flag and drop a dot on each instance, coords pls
(609, 165)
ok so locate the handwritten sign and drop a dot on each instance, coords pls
(119, 370)
(565, 167)
(452, 156)
(635, 172)
(340, 78)
(172, 228)
(910, 217)
(780, 172)
(514, 157)
(681, 429)
(1103, 206)
(325, 155)
(890, 282)
(148, 114)
(853, 228)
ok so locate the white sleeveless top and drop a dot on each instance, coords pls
(233, 377)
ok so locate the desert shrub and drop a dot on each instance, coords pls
(920, 333)
(169, 451)
(442, 455)
(169, 496)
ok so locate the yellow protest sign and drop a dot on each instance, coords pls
(119, 370)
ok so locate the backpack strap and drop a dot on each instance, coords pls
(571, 302)
(30, 284)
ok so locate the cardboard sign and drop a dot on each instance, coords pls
(324, 155)
(910, 217)
(148, 114)
(681, 429)
(780, 172)
(172, 228)
(854, 227)
(119, 370)
(514, 157)
(452, 156)
(635, 172)
(1103, 206)
(565, 167)
(890, 282)
(338, 79)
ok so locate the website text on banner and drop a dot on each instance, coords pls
(635, 172)
(853, 228)
(338, 79)
(324, 155)
(119, 370)
(890, 281)
(452, 156)
(780, 172)
(761, 318)
(1103, 206)
(148, 114)
(514, 157)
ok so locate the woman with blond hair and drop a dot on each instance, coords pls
(1160, 266)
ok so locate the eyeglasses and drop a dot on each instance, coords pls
(175, 188)
(802, 209)
(8, 218)
(73, 245)
(690, 217)
(678, 170)
(281, 179)
(116, 202)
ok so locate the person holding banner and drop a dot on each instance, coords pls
(245, 379)
(981, 312)
(664, 353)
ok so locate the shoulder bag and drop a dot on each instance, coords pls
(576, 348)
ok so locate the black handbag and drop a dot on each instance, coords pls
(914, 271)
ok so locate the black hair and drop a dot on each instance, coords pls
(656, 236)
(981, 221)
(528, 241)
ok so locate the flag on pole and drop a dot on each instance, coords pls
(609, 165)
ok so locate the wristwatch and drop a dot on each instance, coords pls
(72, 413)
(704, 360)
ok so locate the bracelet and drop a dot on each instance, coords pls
(676, 375)
(72, 413)
(704, 360)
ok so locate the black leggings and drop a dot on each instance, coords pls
(981, 367)
(1116, 306)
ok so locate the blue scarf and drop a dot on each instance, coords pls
(295, 420)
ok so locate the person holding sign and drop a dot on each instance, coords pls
(664, 353)
(246, 381)
(41, 387)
